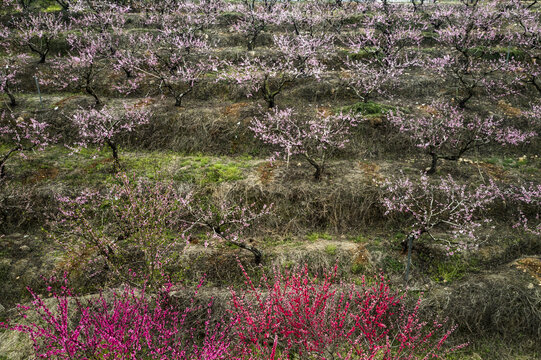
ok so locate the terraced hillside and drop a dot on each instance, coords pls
(383, 148)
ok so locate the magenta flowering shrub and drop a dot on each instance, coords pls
(448, 132)
(295, 315)
(129, 324)
(313, 138)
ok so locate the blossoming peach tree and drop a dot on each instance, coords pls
(447, 132)
(443, 203)
(312, 138)
(22, 136)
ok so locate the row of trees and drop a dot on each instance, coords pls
(381, 47)
(381, 42)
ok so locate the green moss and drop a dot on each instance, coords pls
(204, 170)
(494, 53)
(315, 236)
(53, 8)
(451, 269)
(360, 55)
(357, 269)
(330, 250)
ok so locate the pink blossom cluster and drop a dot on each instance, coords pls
(127, 324)
(37, 31)
(388, 42)
(526, 196)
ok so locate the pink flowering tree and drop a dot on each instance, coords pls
(447, 132)
(90, 50)
(312, 138)
(129, 59)
(179, 62)
(305, 18)
(38, 30)
(103, 126)
(299, 315)
(527, 38)
(143, 230)
(10, 67)
(127, 324)
(469, 31)
(22, 136)
(430, 204)
(527, 199)
(87, 59)
(382, 52)
(255, 19)
(227, 222)
(203, 14)
(298, 57)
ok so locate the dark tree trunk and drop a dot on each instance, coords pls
(12, 100)
(114, 149)
(434, 164)
(92, 93)
(3, 162)
(409, 245)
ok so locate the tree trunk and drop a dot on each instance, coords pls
(3, 162)
(178, 101)
(270, 101)
(465, 99)
(114, 149)
(408, 264)
(42, 58)
(12, 101)
(258, 257)
(434, 164)
(319, 171)
(91, 92)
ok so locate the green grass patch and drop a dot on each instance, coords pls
(92, 167)
(452, 269)
(392, 265)
(330, 250)
(315, 236)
